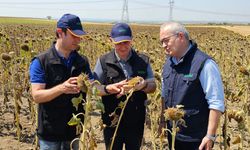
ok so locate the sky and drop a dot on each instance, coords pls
(138, 10)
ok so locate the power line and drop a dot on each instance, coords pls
(153, 5)
(55, 3)
(211, 12)
(189, 10)
(150, 5)
(83, 9)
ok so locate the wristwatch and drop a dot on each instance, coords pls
(105, 89)
(211, 137)
(145, 86)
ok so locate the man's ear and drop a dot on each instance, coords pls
(181, 34)
(111, 40)
(59, 31)
(131, 42)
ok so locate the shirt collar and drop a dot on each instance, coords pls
(71, 55)
(121, 60)
(174, 59)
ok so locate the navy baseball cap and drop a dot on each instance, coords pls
(121, 32)
(72, 23)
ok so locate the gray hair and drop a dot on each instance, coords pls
(175, 27)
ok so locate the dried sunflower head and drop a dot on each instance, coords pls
(238, 63)
(174, 114)
(134, 81)
(25, 47)
(244, 71)
(236, 115)
(6, 56)
(82, 82)
(237, 140)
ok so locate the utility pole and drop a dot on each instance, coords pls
(171, 5)
(125, 17)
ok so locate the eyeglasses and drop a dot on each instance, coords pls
(166, 39)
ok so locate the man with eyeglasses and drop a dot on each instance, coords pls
(191, 78)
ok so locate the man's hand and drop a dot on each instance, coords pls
(206, 144)
(116, 87)
(126, 88)
(70, 86)
(142, 84)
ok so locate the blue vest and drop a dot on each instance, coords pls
(182, 87)
(54, 115)
(134, 114)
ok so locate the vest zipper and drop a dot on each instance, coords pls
(172, 88)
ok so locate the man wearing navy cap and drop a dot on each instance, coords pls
(116, 67)
(53, 77)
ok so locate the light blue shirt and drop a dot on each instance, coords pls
(211, 83)
(212, 86)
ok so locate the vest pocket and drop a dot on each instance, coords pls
(191, 112)
(112, 77)
(54, 122)
(165, 74)
(195, 122)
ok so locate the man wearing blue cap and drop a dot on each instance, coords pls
(53, 77)
(115, 67)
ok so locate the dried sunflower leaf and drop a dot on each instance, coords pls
(121, 104)
(74, 120)
(100, 106)
(76, 101)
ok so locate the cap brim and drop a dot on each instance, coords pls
(77, 33)
(121, 39)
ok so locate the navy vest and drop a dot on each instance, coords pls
(54, 115)
(182, 87)
(134, 114)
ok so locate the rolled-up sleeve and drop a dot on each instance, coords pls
(163, 92)
(212, 85)
(150, 74)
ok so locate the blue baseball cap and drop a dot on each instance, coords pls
(72, 23)
(121, 32)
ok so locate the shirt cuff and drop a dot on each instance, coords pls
(217, 106)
